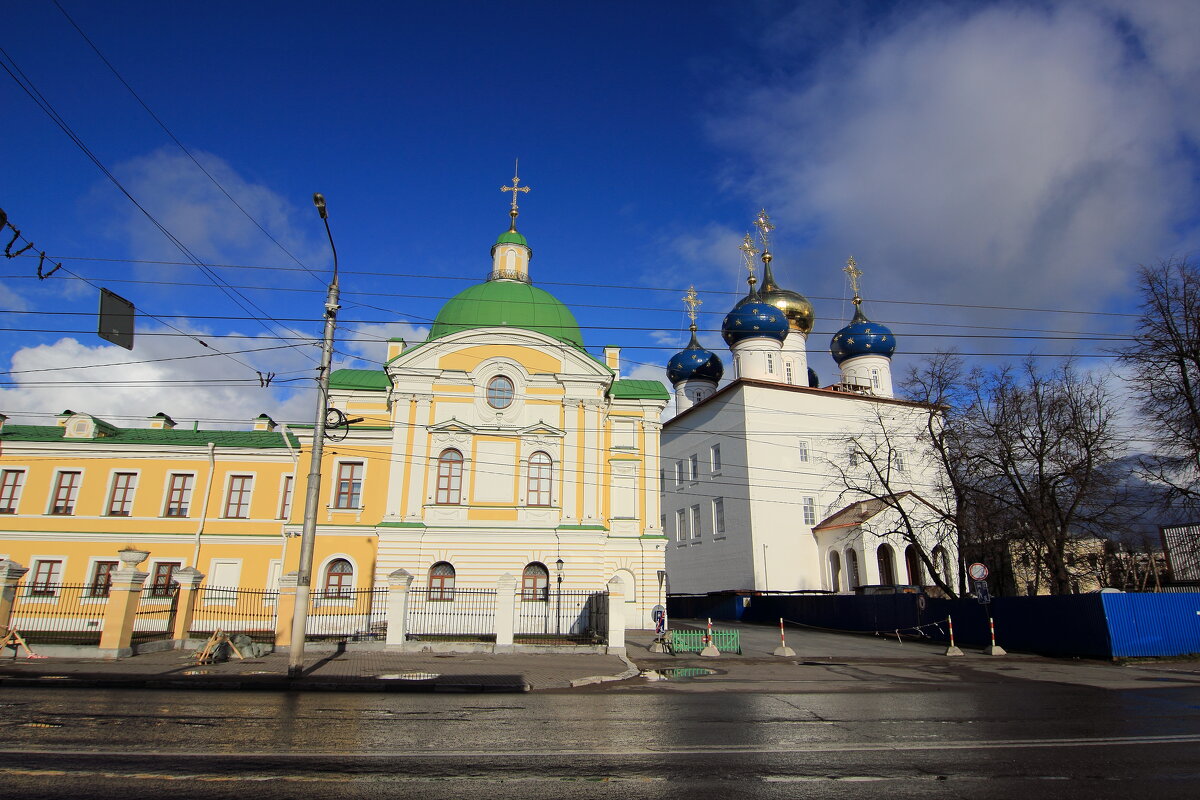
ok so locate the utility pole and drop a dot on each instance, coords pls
(313, 499)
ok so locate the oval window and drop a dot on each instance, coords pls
(500, 392)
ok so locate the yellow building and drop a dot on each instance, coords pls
(498, 446)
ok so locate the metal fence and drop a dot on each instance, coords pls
(252, 612)
(154, 619)
(451, 614)
(356, 615)
(561, 616)
(59, 613)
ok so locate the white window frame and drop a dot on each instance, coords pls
(87, 597)
(694, 467)
(681, 525)
(323, 578)
(50, 596)
(718, 513)
(697, 527)
(808, 507)
(212, 598)
(679, 473)
(74, 496)
(787, 371)
(804, 451)
(287, 495)
(770, 363)
(148, 595)
(714, 459)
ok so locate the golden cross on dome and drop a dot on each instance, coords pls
(748, 253)
(691, 300)
(514, 189)
(764, 225)
(855, 273)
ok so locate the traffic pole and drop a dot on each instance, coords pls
(783, 649)
(710, 650)
(994, 649)
(952, 650)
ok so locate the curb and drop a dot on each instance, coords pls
(268, 685)
(630, 672)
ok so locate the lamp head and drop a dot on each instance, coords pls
(319, 202)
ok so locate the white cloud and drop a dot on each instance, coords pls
(11, 300)
(369, 341)
(68, 374)
(1007, 155)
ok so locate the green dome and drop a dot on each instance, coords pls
(500, 304)
(511, 237)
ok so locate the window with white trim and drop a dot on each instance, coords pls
(500, 392)
(809, 507)
(441, 581)
(898, 462)
(101, 579)
(11, 481)
(237, 500)
(787, 370)
(47, 578)
(714, 459)
(874, 379)
(679, 473)
(179, 495)
(693, 467)
(449, 478)
(770, 363)
(66, 490)
(339, 578)
(803, 451)
(285, 499)
(541, 474)
(348, 489)
(120, 500)
(535, 583)
(681, 525)
(718, 511)
(697, 529)
(162, 580)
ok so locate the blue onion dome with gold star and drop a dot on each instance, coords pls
(751, 318)
(694, 361)
(862, 337)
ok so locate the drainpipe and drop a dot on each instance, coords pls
(283, 528)
(212, 468)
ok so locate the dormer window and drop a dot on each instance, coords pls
(500, 392)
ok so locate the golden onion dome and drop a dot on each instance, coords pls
(796, 307)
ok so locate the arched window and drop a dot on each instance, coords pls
(541, 472)
(941, 560)
(912, 561)
(449, 478)
(500, 392)
(887, 568)
(852, 579)
(835, 571)
(441, 581)
(339, 578)
(535, 582)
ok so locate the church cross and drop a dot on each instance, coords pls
(514, 189)
(765, 226)
(854, 272)
(692, 300)
(748, 253)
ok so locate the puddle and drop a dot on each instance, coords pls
(197, 672)
(260, 672)
(52, 677)
(677, 673)
(41, 725)
(409, 676)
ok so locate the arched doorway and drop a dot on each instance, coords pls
(852, 579)
(912, 563)
(835, 571)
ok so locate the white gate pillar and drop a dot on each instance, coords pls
(399, 582)
(506, 608)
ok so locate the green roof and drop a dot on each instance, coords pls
(151, 436)
(639, 390)
(511, 237)
(511, 304)
(374, 380)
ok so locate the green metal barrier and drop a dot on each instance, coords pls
(693, 641)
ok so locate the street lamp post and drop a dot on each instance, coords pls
(558, 566)
(313, 498)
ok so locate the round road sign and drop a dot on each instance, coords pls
(977, 571)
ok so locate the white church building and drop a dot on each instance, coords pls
(772, 483)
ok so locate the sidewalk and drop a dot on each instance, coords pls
(351, 671)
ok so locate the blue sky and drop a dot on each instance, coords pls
(975, 158)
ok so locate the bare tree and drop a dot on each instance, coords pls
(1042, 446)
(1164, 365)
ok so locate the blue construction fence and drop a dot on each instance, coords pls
(1102, 625)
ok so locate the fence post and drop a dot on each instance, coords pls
(285, 610)
(124, 594)
(10, 575)
(399, 582)
(616, 615)
(506, 608)
(189, 579)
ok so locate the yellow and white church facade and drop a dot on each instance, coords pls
(498, 445)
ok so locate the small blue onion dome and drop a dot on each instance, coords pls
(862, 338)
(751, 318)
(813, 380)
(695, 362)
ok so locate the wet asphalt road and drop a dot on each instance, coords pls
(985, 739)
